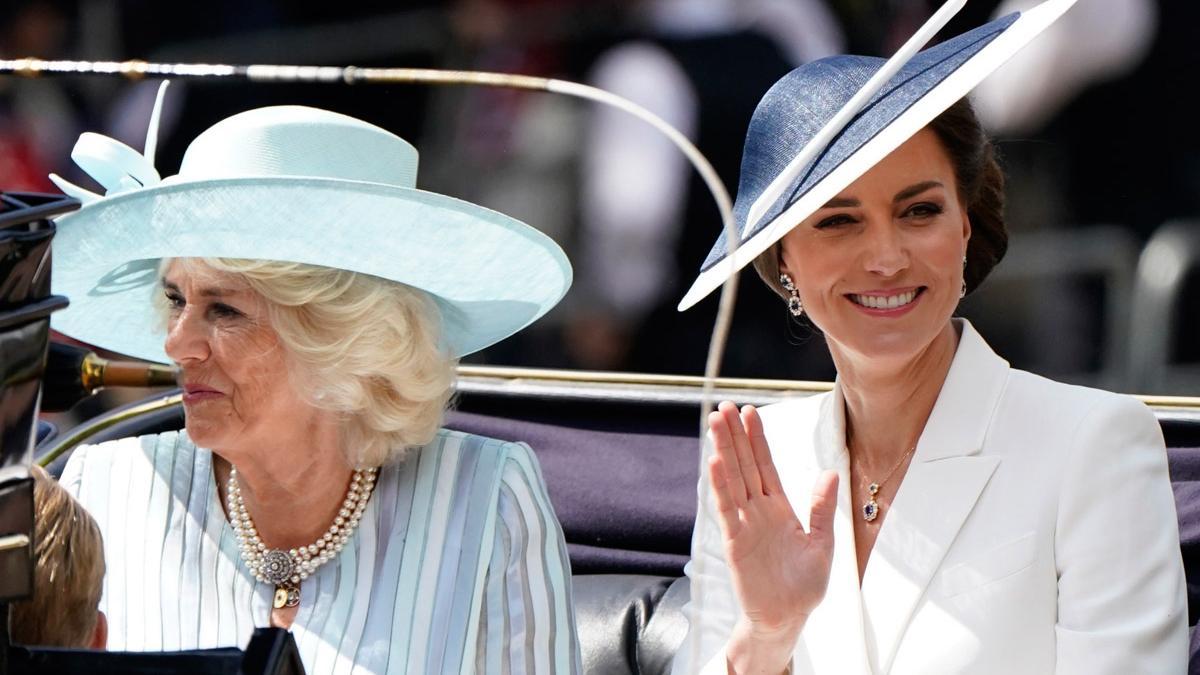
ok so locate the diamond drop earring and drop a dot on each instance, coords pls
(794, 305)
(963, 293)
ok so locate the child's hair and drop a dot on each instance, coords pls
(68, 571)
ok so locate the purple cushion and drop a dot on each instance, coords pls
(626, 501)
(1185, 480)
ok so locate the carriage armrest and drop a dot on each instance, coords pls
(629, 623)
(271, 651)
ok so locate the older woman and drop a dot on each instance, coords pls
(315, 303)
(990, 521)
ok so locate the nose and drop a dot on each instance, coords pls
(886, 253)
(187, 340)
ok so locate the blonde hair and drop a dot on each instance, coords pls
(364, 347)
(68, 571)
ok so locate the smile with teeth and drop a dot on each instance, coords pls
(885, 301)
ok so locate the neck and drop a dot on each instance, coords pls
(293, 485)
(889, 402)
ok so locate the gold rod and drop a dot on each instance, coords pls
(591, 376)
(95, 426)
(13, 542)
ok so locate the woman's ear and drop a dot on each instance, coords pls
(99, 639)
(783, 268)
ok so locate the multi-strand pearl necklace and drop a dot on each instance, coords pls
(286, 569)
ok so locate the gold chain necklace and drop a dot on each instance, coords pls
(870, 510)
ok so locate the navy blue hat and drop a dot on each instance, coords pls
(800, 105)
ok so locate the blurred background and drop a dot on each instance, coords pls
(1100, 146)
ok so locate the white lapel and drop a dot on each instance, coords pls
(943, 482)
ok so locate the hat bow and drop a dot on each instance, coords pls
(115, 166)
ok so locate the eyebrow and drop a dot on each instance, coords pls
(914, 190)
(906, 193)
(212, 292)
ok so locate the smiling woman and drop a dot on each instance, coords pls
(887, 247)
(989, 520)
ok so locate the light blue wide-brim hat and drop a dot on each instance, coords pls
(296, 184)
(798, 106)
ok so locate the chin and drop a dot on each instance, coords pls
(895, 343)
(888, 347)
(204, 433)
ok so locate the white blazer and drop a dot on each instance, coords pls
(1035, 532)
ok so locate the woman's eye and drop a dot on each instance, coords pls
(833, 221)
(225, 311)
(924, 210)
(175, 301)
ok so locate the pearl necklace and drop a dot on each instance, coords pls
(286, 569)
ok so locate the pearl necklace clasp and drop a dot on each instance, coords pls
(287, 569)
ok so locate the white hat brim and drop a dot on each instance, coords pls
(491, 275)
(953, 88)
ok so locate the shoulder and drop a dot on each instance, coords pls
(1074, 428)
(1025, 401)
(1072, 407)
(491, 480)
(459, 444)
(478, 465)
(142, 444)
(515, 463)
(132, 451)
(512, 471)
(106, 477)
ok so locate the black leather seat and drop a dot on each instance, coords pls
(629, 623)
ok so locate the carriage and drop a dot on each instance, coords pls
(618, 453)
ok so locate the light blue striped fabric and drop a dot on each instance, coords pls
(459, 565)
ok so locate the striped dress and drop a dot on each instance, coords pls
(458, 565)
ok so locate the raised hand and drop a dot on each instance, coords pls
(779, 571)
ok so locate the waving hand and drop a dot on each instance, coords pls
(779, 570)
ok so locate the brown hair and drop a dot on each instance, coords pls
(68, 571)
(980, 186)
